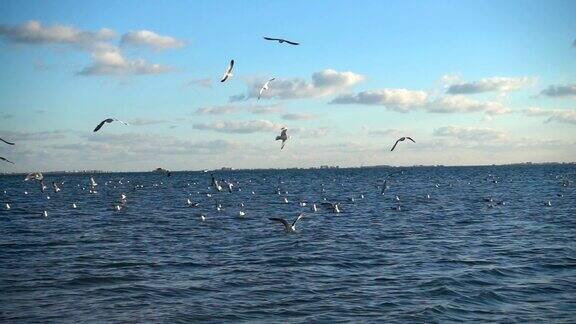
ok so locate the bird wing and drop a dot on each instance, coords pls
(261, 90)
(394, 145)
(230, 66)
(283, 143)
(125, 123)
(410, 138)
(100, 125)
(281, 220)
(5, 141)
(224, 77)
(271, 39)
(3, 159)
(292, 43)
(297, 219)
(283, 133)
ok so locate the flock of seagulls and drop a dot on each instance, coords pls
(226, 76)
(218, 189)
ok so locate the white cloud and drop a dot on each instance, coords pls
(500, 84)
(218, 110)
(107, 58)
(150, 39)
(263, 110)
(111, 62)
(146, 121)
(34, 136)
(470, 133)
(299, 116)
(554, 115)
(242, 127)
(314, 133)
(324, 83)
(33, 32)
(401, 100)
(462, 104)
(560, 90)
(384, 132)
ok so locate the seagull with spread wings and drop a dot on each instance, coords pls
(288, 228)
(280, 40)
(108, 120)
(283, 136)
(228, 73)
(265, 87)
(401, 139)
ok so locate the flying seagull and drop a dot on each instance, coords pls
(36, 176)
(5, 141)
(401, 139)
(280, 40)
(283, 137)
(266, 86)
(228, 72)
(287, 227)
(3, 159)
(109, 120)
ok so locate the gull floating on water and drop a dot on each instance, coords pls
(401, 139)
(108, 120)
(283, 136)
(289, 228)
(265, 87)
(5, 141)
(228, 73)
(280, 40)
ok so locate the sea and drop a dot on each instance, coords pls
(434, 245)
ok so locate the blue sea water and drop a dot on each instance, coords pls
(484, 247)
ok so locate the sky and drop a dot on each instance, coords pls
(473, 82)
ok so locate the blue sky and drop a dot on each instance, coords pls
(475, 82)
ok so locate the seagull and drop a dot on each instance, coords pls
(45, 213)
(280, 40)
(4, 159)
(283, 136)
(228, 72)
(5, 141)
(108, 120)
(266, 86)
(74, 205)
(8, 206)
(401, 139)
(333, 206)
(287, 227)
(36, 176)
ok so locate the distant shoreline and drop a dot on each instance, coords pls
(227, 169)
